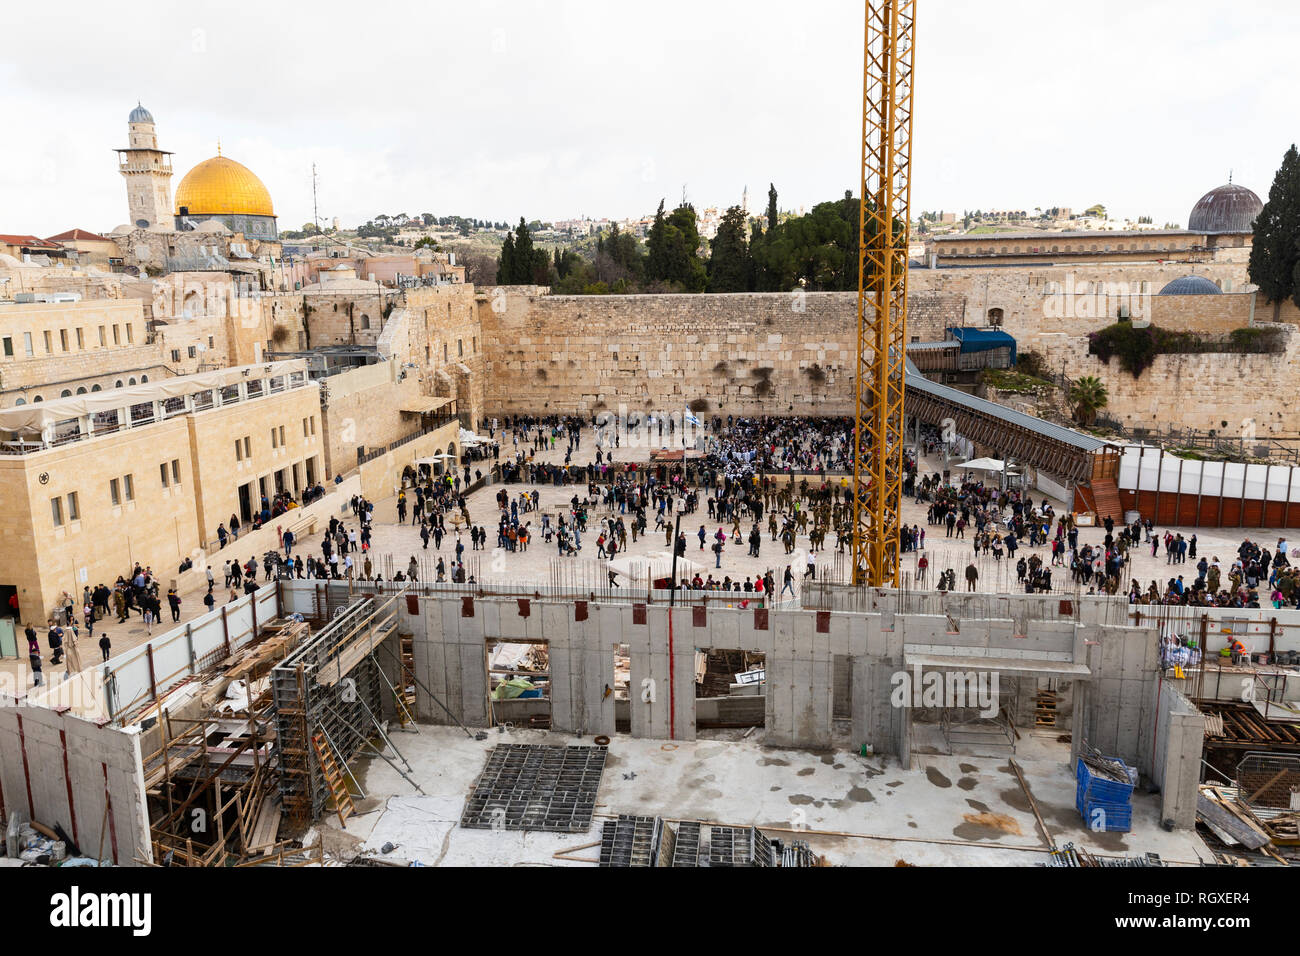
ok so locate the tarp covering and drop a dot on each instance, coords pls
(512, 688)
(34, 418)
(984, 340)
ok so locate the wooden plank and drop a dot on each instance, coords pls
(1214, 813)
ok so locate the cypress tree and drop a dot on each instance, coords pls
(1275, 248)
(506, 267)
(523, 265)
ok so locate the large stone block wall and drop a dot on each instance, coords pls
(729, 354)
(756, 353)
(1193, 391)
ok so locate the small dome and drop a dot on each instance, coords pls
(220, 187)
(140, 115)
(1191, 285)
(122, 230)
(1229, 208)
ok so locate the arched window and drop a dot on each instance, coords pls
(95, 388)
(81, 390)
(118, 383)
(131, 380)
(20, 401)
(66, 393)
(37, 399)
(365, 321)
(995, 316)
(143, 379)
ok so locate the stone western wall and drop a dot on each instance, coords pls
(793, 354)
(726, 354)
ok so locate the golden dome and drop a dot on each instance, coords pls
(221, 186)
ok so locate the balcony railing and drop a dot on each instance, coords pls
(141, 414)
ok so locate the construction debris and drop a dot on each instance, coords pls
(1073, 856)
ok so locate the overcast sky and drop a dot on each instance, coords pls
(551, 109)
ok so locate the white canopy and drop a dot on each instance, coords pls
(983, 464)
(34, 418)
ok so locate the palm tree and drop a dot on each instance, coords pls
(1087, 396)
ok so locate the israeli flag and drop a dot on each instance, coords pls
(689, 418)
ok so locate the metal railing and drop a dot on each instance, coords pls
(141, 414)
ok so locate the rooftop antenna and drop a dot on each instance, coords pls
(315, 211)
(683, 194)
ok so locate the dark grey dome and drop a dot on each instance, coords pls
(1191, 285)
(140, 115)
(1229, 208)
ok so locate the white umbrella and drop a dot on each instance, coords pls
(983, 464)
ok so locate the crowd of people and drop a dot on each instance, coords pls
(750, 482)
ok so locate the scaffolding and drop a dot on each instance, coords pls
(332, 687)
(214, 779)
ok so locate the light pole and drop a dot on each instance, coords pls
(679, 506)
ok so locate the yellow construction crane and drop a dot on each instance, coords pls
(884, 219)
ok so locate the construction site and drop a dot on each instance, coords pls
(404, 720)
(315, 724)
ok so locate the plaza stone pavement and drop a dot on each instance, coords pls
(533, 567)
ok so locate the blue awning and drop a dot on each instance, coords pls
(984, 340)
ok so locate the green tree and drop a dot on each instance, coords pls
(1087, 396)
(521, 272)
(506, 265)
(818, 250)
(1275, 249)
(728, 268)
(754, 274)
(625, 253)
(674, 245)
(657, 246)
(771, 206)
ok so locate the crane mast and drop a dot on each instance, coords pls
(884, 220)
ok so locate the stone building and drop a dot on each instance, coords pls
(51, 350)
(95, 482)
(147, 171)
(1218, 230)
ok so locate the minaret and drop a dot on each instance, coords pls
(147, 171)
